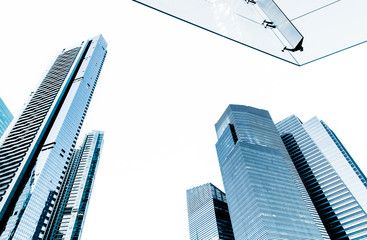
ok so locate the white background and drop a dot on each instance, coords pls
(163, 86)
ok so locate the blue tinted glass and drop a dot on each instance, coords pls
(265, 196)
(5, 117)
(331, 177)
(38, 148)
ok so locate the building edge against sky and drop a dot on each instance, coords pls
(37, 149)
(334, 181)
(250, 157)
(68, 220)
(265, 195)
(208, 213)
(5, 117)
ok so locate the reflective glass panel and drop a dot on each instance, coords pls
(296, 31)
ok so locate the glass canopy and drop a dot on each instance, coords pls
(299, 31)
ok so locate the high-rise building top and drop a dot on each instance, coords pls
(208, 213)
(37, 150)
(266, 197)
(68, 220)
(334, 182)
(5, 117)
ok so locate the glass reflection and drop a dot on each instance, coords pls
(298, 32)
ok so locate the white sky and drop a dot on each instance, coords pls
(163, 86)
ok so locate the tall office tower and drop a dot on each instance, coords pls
(333, 180)
(37, 150)
(67, 221)
(5, 117)
(208, 214)
(265, 195)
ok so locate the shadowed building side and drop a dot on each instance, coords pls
(266, 197)
(336, 185)
(208, 213)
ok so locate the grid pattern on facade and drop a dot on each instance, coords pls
(266, 197)
(345, 153)
(22, 135)
(76, 189)
(341, 213)
(208, 213)
(61, 202)
(36, 198)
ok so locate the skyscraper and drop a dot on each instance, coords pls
(265, 195)
(333, 180)
(208, 213)
(5, 117)
(37, 150)
(67, 220)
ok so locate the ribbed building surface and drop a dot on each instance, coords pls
(334, 182)
(37, 150)
(5, 117)
(67, 221)
(266, 197)
(208, 213)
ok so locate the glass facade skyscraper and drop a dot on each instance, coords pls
(265, 195)
(334, 182)
(208, 214)
(37, 150)
(5, 117)
(67, 220)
